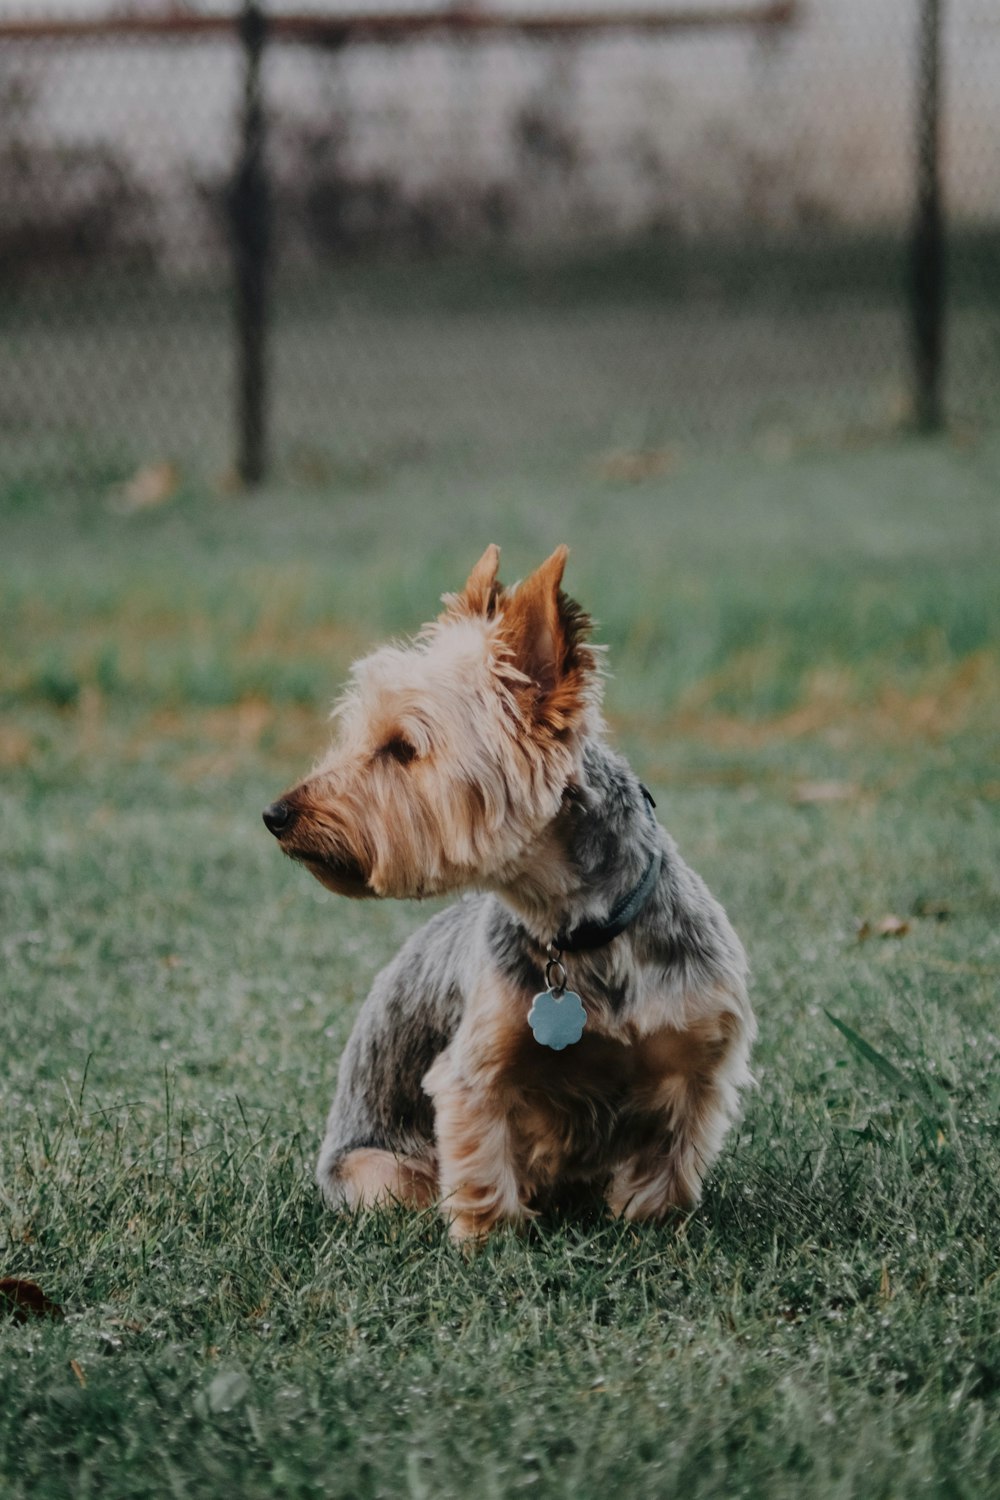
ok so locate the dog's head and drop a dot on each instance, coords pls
(453, 752)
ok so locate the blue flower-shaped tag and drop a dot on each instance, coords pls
(557, 1021)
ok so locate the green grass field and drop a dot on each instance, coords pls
(806, 668)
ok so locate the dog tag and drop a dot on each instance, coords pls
(557, 1021)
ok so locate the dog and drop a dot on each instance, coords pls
(579, 1020)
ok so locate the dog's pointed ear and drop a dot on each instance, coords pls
(534, 623)
(482, 587)
(546, 631)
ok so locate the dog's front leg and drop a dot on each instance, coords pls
(689, 1100)
(666, 1172)
(478, 1182)
(656, 1181)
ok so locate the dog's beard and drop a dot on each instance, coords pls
(344, 877)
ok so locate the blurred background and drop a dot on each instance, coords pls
(322, 242)
(299, 309)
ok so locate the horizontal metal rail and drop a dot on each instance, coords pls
(337, 30)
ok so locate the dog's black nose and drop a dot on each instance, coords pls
(278, 818)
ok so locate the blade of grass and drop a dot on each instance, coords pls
(925, 1091)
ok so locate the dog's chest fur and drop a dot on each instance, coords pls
(578, 1113)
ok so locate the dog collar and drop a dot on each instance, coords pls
(590, 935)
(558, 1016)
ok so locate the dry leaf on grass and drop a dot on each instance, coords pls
(22, 1300)
(887, 926)
(150, 486)
(631, 466)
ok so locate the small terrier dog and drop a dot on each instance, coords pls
(582, 1021)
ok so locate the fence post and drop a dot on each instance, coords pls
(251, 246)
(927, 277)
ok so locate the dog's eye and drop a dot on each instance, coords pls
(399, 749)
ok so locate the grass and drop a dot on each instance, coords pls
(806, 656)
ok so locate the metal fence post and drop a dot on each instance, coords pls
(251, 247)
(927, 279)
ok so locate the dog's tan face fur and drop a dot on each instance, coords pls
(453, 753)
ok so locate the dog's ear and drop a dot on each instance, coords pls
(533, 624)
(546, 631)
(482, 587)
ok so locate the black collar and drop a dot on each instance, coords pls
(589, 935)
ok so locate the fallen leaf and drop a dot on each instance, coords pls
(631, 466)
(77, 1369)
(149, 487)
(887, 926)
(25, 1299)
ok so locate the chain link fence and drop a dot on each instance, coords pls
(316, 244)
